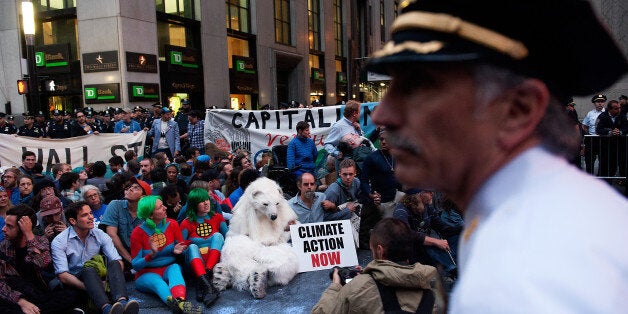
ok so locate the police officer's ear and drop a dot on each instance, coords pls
(520, 110)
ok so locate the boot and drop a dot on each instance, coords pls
(211, 293)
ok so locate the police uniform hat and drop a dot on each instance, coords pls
(2, 114)
(571, 51)
(185, 102)
(27, 115)
(65, 112)
(39, 114)
(11, 118)
(138, 108)
(598, 97)
(623, 97)
(56, 112)
(157, 104)
(120, 110)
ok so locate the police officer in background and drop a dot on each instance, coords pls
(58, 127)
(29, 128)
(107, 122)
(40, 122)
(4, 126)
(11, 123)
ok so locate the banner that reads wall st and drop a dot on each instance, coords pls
(257, 130)
(75, 151)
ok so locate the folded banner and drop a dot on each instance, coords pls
(256, 130)
(75, 151)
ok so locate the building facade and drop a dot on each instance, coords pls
(239, 54)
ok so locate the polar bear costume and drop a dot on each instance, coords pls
(256, 253)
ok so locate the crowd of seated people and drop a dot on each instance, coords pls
(144, 212)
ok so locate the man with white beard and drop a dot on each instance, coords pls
(307, 204)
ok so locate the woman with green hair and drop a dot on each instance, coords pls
(206, 229)
(154, 245)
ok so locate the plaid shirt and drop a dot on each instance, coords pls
(37, 253)
(196, 134)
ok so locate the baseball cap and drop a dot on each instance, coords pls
(145, 186)
(165, 110)
(50, 205)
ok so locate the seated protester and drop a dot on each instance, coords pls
(307, 204)
(154, 246)
(428, 250)
(212, 177)
(116, 184)
(172, 177)
(99, 169)
(9, 180)
(38, 174)
(185, 173)
(161, 160)
(5, 204)
(83, 176)
(116, 164)
(326, 174)
(81, 244)
(231, 182)
(69, 185)
(133, 167)
(24, 192)
(201, 164)
(51, 220)
(207, 230)
(342, 196)
(245, 178)
(158, 177)
(388, 282)
(25, 259)
(121, 217)
(172, 200)
(92, 196)
(302, 152)
(46, 188)
(449, 224)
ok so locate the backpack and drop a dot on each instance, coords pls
(391, 303)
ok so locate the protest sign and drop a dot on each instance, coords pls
(323, 245)
(75, 151)
(257, 130)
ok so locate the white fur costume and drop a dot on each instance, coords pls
(256, 253)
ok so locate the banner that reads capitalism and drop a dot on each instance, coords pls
(75, 151)
(256, 130)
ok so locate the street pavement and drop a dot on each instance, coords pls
(299, 296)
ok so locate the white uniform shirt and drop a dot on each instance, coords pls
(590, 119)
(542, 236)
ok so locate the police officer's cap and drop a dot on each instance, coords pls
(624, 97)
(598, 97)
(56, 112)
(157, 104)
(65, 112)
(39, 114)
(2, 114)
(11, 118)
(120, 110)
(570, 50)
(138, 108)
(185, 102)
(27, 115)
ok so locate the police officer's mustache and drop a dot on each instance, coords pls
(402, 143)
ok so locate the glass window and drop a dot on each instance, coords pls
(60, 31)
(238, 15)
(49, 5)
(315, 61)
(237, 47)
(174, 34)
(382, 21)
(338, 31)
(282, 22)
(314, 24)
(182, 8)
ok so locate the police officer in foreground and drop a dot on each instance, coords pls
(527, 246)
(29, 129)
(40, 122)
(58, 127)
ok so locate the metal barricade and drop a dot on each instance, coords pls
(605, 156)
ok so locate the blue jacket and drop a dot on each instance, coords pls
(171, 132)
(302, 151)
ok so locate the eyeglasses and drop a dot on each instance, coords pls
(95, 195)
(133, 187)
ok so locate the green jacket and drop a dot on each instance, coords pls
(361, 295)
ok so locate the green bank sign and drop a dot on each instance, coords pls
(143, 91)
(102, 93)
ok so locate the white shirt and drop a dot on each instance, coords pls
(590, 119)
(548, 239)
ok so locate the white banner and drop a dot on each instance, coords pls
(324, 245)
(257, 130)
(75, 151)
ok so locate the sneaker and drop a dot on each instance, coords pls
(188, 307)
(130, 306)
(77, 310)
(116, 308)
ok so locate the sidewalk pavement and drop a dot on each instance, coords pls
(299, 296)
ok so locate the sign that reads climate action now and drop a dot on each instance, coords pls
(324, 245)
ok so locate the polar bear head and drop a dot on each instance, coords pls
(266, 197)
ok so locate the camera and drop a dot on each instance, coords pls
(345, 273)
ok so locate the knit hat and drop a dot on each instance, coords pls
(50, 205)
